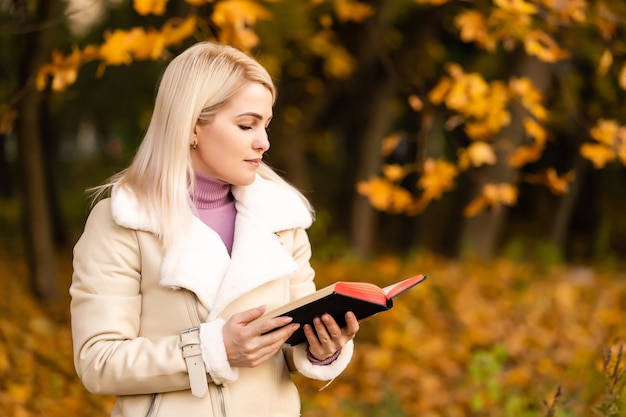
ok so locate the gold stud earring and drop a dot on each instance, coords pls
(194, 145)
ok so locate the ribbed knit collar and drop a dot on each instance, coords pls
(211, 192)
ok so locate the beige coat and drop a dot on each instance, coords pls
(131, 300)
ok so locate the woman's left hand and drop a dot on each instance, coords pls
(327, 337)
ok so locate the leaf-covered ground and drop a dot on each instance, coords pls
(476, 339)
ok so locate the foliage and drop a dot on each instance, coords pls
(481, 110)
(230, 22)
(476, 339)
(545, 29)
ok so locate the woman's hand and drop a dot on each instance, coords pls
(328, 337)
(247, 345)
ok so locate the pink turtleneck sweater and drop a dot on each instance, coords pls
(216, 207)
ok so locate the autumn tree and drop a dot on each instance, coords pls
(511, 97)
(32, 33)
(227, 21)
(465, 99)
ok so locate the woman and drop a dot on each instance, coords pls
(197, 239)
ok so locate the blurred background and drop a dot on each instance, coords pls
(482, 143)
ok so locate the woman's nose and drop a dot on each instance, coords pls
(262, 141)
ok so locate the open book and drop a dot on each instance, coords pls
(364, 299)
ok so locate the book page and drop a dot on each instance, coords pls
(398, 288)
(362, 291)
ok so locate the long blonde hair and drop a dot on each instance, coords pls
(194, 86)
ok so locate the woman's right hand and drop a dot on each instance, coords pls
(249, 345)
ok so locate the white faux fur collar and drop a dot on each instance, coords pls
(198, 260)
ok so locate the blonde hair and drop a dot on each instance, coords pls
(194, 86)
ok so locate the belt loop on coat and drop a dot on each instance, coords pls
(192, 353)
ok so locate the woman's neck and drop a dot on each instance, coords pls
(210, 192)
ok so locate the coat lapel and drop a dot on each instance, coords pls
(198, 260)
(257, 258)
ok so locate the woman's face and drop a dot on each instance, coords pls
(231, 146)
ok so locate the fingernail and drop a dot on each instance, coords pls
(286, 319)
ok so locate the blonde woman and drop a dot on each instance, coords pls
(190, 244)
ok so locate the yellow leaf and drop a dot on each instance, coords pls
(144, 45)
(543, 46)
(494, 196)
(146, 7)
(239, 13)
(477, 154)
(394, 172)
(438, 94)
(235, 17)
(531, 97)
(536, 131)
(605, 131)
(384, 195)
(349, 10)
(525, 154)
(501, 193)
(114, 50)
(568, 11)
(477, 205)
(479, 131)
(62, 69)
(437, 177)
(516, 6)
(415, 103)
(557, 184)
(468, 95)
(389, 144)
(175, 31)
(598, 154)
(473, 28)
(339, 63)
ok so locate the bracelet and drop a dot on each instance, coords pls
(323, 362)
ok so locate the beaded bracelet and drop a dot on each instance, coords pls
(323, 362)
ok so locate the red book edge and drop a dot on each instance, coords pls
(372, 293)
(395, 290)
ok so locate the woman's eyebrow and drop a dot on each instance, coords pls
(255, 115)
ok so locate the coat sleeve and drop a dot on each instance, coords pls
(302, 284)
(109, 355)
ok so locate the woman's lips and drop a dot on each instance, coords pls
(254, 162)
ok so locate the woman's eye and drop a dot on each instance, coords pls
(242, 127)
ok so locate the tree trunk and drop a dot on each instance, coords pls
(566, 206)
(37, 223)
(6, 178)
(376, 121)
(481, 233)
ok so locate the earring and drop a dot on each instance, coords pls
(194, 145)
